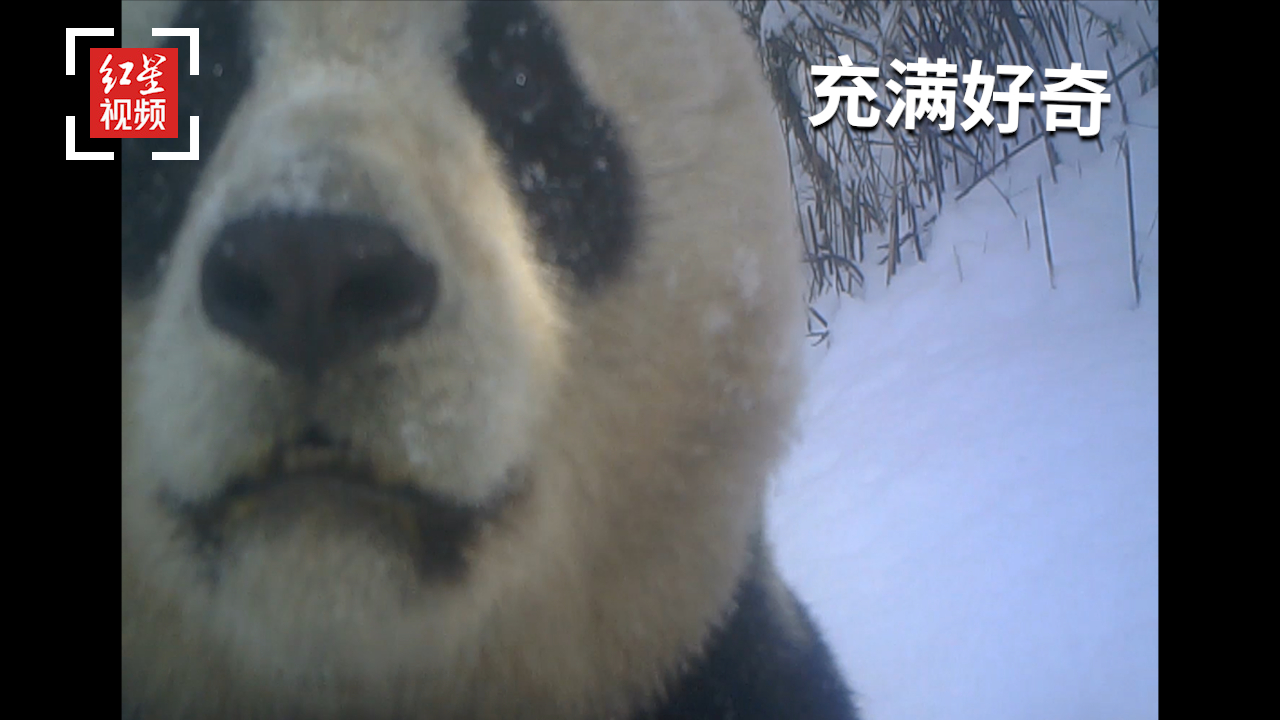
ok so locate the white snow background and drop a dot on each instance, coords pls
(971, 512)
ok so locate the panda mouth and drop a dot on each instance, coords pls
(314, 455)
(336, 484)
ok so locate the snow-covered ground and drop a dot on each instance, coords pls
(972, 510)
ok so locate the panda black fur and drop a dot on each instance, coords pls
(454, 370)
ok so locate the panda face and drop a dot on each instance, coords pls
(456, 363)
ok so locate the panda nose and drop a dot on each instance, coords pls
(306, 291)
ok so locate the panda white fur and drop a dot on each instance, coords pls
(454, 370)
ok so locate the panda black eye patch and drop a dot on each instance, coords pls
(563, 154)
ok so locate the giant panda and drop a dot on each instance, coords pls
(454, 370)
